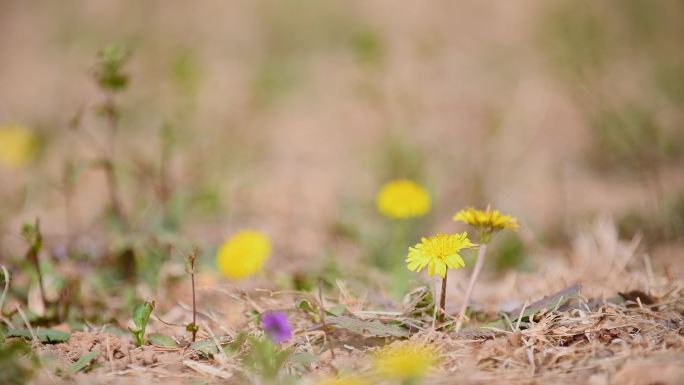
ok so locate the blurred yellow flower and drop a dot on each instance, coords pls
(17, 146)
(406, 360)
(342, 381)
(438, 253)
(403, 198)
(243, 254)
(489, 219)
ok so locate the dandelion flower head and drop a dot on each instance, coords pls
(488, 220)
(243, 254)
(403, 198)
(438, 253)
(407, 360)
(17, 146)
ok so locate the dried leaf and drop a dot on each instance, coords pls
(547, 303)
(366, 328)
(639, 295)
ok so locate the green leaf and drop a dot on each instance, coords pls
(17, 362)
(141, 315)
(83, 362)
(265, 358)
(304, 358)
(337, 310)
(306, 306)
(47, 336)
(237, 343)
(547, 303)
(279, 359)
(109, 71)
(161, 340)
(367, 328)
(206, 348)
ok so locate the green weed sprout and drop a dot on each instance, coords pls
(266, 356)
(141, 315)
(34, 238)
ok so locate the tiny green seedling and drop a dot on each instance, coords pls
(34, 238)
(141, 315)
(266, 358)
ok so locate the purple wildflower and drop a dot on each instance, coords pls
(276, 326)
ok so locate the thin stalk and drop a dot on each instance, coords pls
(112, 181)
(40, 281)
(194, 307)
(442, 299)
(35, 244)
(7, 279)
(482, 251)
(164, 159)
(321, 310)
(68, 192)
(192, 328)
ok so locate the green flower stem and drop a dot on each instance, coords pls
(393, 261)
(399, 239)
(481, 252)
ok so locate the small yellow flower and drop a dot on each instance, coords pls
(342, 381)
(243, 254)
(491, 220)
(405, 360)
(403, 198)
(17, 146)
(438, 253)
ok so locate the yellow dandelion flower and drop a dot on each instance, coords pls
(17, 146)
(489, 219)
(438, 253)
(243, 254)
(342, 381)
(403, 198)
(406, 360)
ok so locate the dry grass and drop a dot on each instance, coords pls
(466, 87)
(593, 338)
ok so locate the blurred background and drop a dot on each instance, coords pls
(287, 117)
